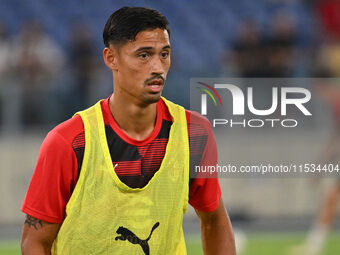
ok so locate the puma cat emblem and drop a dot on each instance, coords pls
(126, 234)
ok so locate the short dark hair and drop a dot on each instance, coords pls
(125, 23)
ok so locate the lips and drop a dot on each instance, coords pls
(155, 85)
(158, 82)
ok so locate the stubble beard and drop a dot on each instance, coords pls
(152, 99)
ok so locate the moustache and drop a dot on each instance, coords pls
(155, 77)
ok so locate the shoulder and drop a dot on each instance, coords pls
(198, 125)
(67, 130)
(197, 119)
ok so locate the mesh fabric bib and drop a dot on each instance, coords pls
(105, 216)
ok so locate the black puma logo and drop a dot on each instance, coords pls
(126, 234)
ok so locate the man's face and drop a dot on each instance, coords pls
(142, 66)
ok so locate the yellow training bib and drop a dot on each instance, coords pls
(105, 216)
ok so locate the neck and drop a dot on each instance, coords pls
(136, 121)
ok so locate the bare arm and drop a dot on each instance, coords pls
(38, 236)
(216, 232)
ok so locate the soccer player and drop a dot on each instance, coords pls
(315, 242)
(114, 179)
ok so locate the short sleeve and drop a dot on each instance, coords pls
(53, 180)
(204, 193)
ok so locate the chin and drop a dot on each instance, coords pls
(152, 99)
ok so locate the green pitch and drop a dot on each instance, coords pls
(257, 244)
(270, 244)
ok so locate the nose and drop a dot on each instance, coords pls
(157, 66)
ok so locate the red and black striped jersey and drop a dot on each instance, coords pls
(61, 155)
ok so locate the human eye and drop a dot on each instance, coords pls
(143, 55)
(165, 54)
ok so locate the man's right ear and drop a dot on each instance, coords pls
(110, 57)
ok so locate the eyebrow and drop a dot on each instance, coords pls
(150, 48)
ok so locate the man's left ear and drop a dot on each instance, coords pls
(110, 57)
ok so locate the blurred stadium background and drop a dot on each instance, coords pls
(51, 66)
